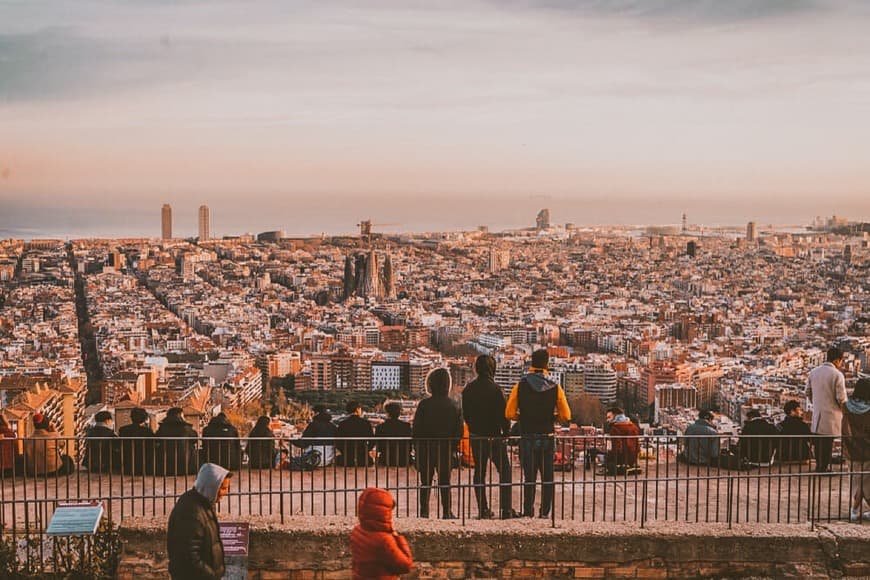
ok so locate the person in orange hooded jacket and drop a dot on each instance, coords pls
(377, 550)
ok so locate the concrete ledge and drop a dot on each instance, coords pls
(312, 548)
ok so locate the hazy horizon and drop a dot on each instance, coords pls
(337, 215)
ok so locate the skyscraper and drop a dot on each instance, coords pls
(204, 223)
(751, 232)
(166, 222)
(542, 221)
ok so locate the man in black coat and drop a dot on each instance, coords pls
(221, 443)
(101, 455)
(137, 445)
(757, 439)
(177, 444)
(437, 430)
(394, 453)
(483, 405)
(354, 453)
(193, 539)
(796, 447)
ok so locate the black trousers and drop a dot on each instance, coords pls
(824, 447)
(434, 458)
(485, 450)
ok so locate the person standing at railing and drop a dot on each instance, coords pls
(261, 444)
(856, 445)
(177, 440)
(221, 444)
(826, 389)
(701, 444)
(534, 401)
(394, 453)
(137, 445)
(101, 445)
(193, 539)
(437, 429)
(7, 448)
(483, 406)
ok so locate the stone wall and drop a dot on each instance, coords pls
(312, 548)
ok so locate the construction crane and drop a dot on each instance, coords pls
(365, 229)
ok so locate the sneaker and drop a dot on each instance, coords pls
(449, 516)
(511, 514)
(486, 514)
(855, 515)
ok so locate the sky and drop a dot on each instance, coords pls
(310, 115)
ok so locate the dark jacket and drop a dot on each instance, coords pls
(102, 452)
(193, 539)
(394, 453)
(221, 444)
(483, 405)
(437, 429)
(261, 448)
(354, 453)
(758, 449)
(321, 431)
(137, 449)
(794, 448)
(856, 430)
(176, 456)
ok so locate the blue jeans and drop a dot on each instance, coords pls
(536, 455)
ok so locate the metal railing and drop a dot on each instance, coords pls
(594, 478)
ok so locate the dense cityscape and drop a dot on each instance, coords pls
(663, 321)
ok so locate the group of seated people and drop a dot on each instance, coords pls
(760, 443)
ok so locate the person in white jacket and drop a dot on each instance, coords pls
(826, 389)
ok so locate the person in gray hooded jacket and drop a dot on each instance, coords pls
(193, 538)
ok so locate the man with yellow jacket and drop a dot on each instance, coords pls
(535, 401)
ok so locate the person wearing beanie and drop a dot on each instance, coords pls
(42, 449)
(436, 430)
(193, 537)
(137, 445)
(534, 401)
(483, 406)
(377, 550)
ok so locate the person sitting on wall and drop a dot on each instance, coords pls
(394, 453)
(319, 436)
(701, 442)
(102, 453)
(794, 446)
(621, 457)
(177, 440)
(137, 444)
(756, 446)
(221, 444)
(354, 452)
(42, 450)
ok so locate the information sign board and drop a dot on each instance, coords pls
(75, 519)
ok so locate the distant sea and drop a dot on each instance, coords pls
(335, 215)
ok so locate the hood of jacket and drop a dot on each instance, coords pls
(209, 480)
(375, 510)
(540, 382)
(857, 406)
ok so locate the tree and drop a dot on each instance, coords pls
(586, 410)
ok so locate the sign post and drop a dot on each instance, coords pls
(234, 536)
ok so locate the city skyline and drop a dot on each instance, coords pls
(627, 101)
